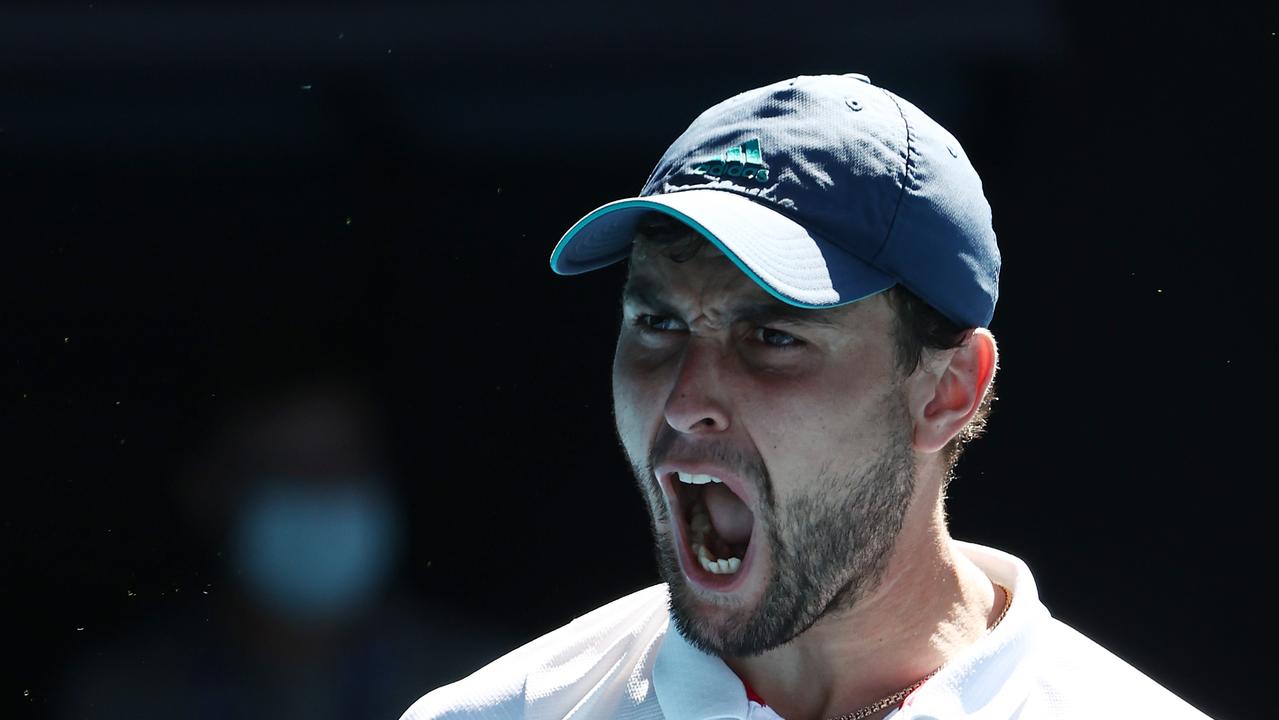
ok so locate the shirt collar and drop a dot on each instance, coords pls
(993, 676)
(693, 685)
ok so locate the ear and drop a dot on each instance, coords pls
(944, 393)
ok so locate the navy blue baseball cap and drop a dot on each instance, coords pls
(824, 190)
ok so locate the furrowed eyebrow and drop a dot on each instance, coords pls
(643, 291)
(774, 311)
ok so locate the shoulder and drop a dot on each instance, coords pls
(1034, 666)
(1076, 677)
(595, 656)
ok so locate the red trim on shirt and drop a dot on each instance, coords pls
(906, 700)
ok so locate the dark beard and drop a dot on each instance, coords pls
(829, 548)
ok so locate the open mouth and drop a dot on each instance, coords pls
(715, 529)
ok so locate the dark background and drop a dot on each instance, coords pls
(202, 201)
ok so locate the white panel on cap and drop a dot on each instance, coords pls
(775, 248)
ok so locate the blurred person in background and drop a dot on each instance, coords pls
(296, 490)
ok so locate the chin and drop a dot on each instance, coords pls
(722, 623)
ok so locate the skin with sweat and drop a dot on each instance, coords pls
(853, 590)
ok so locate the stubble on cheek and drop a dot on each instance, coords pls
(659, 524)
(632, 437)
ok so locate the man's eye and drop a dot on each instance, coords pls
(657, 323)
(777, 338)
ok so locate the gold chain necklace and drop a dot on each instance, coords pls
(871, 709)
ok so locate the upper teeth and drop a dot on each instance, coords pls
(695, 479)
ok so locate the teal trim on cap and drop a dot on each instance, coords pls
(659, 207)
(568, 236)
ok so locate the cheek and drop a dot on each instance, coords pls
(820, 418)
(633, 396)
(787, 430)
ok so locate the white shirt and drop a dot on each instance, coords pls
(626, 660)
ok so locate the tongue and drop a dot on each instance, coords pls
(730, 516)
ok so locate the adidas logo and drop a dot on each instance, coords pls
(745, 161)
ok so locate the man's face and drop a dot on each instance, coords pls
(800, 416)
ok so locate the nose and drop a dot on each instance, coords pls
(696, 404)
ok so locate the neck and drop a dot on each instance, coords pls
(930, 604)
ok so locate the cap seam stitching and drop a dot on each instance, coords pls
(901, 196)
(733, 189)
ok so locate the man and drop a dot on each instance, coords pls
(803, 354)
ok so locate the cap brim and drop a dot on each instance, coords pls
(786, 260)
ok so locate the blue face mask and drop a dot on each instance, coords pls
(315, 552)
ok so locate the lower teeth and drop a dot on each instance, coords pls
(700, 524)
(722, 566)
